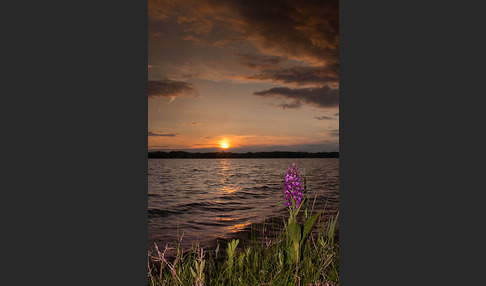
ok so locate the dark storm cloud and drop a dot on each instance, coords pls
(318, 96)
(169, 88)
(302, 30)
(259, 61)
(150, 133)
(298, 29)
(301, 75)
(323, 118)
(305, 31)
(293, 105)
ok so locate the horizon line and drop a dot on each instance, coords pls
(223, 151)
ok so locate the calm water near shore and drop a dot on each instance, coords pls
(206, 199)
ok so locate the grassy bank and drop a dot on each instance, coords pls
(263, 260)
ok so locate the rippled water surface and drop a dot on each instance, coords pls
(205, 199)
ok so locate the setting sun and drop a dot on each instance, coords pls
(224, 145)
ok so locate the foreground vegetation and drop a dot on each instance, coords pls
(261, 260)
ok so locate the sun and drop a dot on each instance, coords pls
(224, 145)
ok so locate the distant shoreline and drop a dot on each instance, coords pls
(218, 155)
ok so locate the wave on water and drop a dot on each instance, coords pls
(209, 199)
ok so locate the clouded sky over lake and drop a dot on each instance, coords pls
(252, 74)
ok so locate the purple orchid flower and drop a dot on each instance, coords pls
(293, 187)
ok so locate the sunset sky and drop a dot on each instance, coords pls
(251, 74)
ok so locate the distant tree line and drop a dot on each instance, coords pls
(275, 154)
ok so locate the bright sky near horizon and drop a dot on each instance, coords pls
(243, 75)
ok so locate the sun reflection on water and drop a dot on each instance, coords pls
(229, 189)
(237, 227)
(225, 218)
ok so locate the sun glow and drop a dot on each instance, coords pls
(224, 145)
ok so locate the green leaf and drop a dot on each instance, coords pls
(231, 250)
(309, 224)
(312, 209)
(298, 209)
(295, 232)
(332, 227)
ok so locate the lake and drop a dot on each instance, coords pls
(209, 199)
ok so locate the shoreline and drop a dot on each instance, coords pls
(246, 155)
(263, 232)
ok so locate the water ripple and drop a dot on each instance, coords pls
(205, 199)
